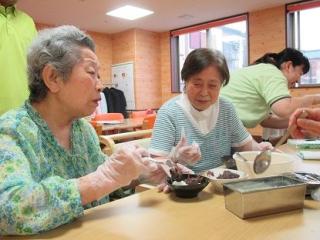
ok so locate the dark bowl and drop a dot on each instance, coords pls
(192, 189)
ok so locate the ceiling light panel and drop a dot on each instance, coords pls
(129, 12)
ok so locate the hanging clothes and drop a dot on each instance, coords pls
(116, 101)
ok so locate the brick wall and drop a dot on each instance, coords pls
(103, 50)
(147, 69)
(266, 32)
(123, 47)
(150, 53)
(143, 49)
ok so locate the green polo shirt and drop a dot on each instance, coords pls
(17, 30)
(253, 90)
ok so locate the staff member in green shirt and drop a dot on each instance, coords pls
(264, 86)
(17, 30)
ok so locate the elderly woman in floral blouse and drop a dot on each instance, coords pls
(51, 166)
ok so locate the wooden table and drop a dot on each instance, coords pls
(128, 123)
(153, 215)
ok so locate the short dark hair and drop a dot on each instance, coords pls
(201, 58)
(288, 54)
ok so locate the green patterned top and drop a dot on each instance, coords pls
(38, 189)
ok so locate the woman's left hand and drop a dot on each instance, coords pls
(186, 154)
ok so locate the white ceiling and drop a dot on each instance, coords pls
(90, 14)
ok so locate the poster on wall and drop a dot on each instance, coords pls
(122, 79)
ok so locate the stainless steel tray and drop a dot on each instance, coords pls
(262, 196)
(311, 179)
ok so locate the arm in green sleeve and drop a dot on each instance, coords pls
(29, 205)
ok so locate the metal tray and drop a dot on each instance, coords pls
(262, 196)
(311, 179)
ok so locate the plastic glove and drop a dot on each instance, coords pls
(164, 187)
(155, 177)
(261, 146)
(186, 154)
(117, 171)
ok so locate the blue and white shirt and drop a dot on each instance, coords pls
(220, 134)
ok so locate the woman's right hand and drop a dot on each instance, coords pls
(164, 187)
(125, 165)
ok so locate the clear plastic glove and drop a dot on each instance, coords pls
(186, 154)
(125, 165)
(157, 176)
(117, 171)
(164, 187)
(261, 146)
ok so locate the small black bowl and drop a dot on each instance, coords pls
(191, 190)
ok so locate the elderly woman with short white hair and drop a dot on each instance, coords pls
(51, 165)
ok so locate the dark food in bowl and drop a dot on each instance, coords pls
(193, 180)
(193, 185)
(176, 174)
(225, 175)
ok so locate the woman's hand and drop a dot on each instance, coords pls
(263, 146)
(119, 170)
(306, 127)
(186, 154)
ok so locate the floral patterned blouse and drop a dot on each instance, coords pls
(38, 189)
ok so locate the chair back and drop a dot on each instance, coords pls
(138, 114)
(108, 117)
(148, 121)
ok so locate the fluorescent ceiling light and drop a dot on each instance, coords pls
(129, 12)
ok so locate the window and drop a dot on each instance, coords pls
(303, 34)
(230, 36)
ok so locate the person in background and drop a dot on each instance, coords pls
(306, 127)
(263, 87)
(51, 165)
(17, 30)
(272, 135)
(202, 126)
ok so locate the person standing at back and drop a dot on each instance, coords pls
(17, 30)
(263, 87)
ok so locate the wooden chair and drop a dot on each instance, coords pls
(109, 142)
